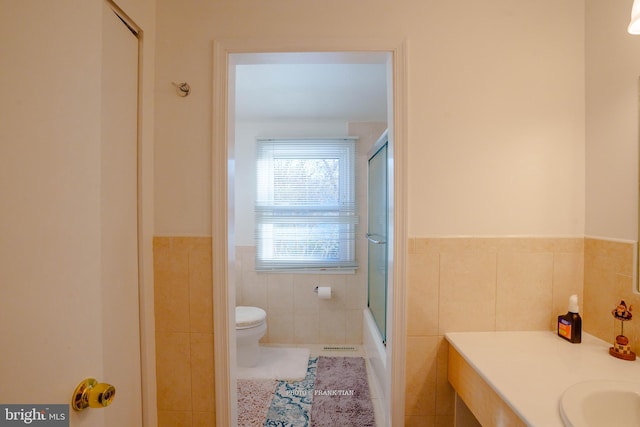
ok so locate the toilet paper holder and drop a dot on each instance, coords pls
(324, 292)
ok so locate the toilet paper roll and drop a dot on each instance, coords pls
(324, 292)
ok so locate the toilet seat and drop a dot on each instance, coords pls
(249, 317)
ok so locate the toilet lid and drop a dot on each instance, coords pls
(247, 317)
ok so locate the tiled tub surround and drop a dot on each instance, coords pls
(453, 285)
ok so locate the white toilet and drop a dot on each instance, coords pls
(251, 325)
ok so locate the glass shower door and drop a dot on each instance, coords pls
(377, 239)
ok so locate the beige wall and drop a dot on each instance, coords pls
(496, 147)
(495, 114)
(495, 132)
(612, 72)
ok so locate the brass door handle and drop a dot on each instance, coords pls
(92, 394)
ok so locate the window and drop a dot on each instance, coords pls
(305, 208)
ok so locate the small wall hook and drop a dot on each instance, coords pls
(183, 89)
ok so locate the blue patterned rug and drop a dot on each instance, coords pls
(291, 404)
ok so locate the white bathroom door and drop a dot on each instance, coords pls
(119, 209)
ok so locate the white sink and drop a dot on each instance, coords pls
(601, 403)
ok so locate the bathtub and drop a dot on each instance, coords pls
(376, 354)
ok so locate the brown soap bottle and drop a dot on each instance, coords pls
(570, 324)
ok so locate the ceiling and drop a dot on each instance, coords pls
(340, 86)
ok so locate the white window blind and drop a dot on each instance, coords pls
(305, 204)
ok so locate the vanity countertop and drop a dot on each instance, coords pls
(530, 370)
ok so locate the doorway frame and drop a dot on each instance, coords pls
(223, 296)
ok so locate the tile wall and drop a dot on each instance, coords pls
(453, 284)
(295, 314)
(608, 279)
(184, 331)
(477, 284)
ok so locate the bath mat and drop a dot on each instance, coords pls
(293, 403)
(254, 399)
(341, 394)
(278, 363)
